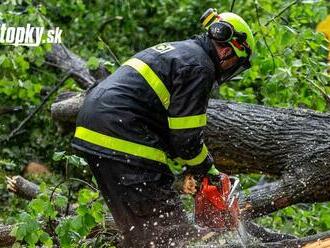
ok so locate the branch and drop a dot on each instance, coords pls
(112, 54)
(322, 91)
(62, 58)
(265, 235)
(9, 110)
(232, 5)
(263, 35)
(22, 187)
(281, 12)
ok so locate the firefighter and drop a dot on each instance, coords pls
(143, 125)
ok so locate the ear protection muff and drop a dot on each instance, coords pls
(222, 32)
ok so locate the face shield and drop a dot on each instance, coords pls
(241, 65)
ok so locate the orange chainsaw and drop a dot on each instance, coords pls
(216, 203)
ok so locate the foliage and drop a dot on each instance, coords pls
(51, 206)
(71, 159)
(69, 230)
(290, 58)
(300, 220)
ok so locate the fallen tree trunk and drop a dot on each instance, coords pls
(291, 144)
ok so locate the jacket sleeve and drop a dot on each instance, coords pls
(187, 117)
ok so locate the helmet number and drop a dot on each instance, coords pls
(163, 48)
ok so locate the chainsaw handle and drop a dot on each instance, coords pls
(233, 188)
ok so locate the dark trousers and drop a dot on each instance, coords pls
(143, 203)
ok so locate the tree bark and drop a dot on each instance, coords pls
(5, 239)
(62, 58)
(22, 187)
(290, 144)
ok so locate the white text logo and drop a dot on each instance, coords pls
(29, 36)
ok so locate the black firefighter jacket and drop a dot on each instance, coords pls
(152, 110)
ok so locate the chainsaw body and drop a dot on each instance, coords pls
(216, 203)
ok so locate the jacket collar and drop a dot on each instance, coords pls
(204, 41)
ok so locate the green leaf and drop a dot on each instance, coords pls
(89, 221)
(61, 201)
(20, 232)
(43, 10)
(22, 64)
(43, 187)
(58, 156)
(97, 212)
(13, 231)
(93, 63)
(85, 196)
(38, 206)
(16, 245)
(297, 63)
(32, 238)
(82, 210)
(76, 161)
(2, 58)
(77, 223)
(44, 236)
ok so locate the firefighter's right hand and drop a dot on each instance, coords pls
(189, 184)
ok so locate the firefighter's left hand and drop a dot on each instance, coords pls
(189, 184)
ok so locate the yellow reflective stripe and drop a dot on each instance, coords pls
(120, 145)
(187, 121)
(208, 19)
(153, 80)
(196, 160)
